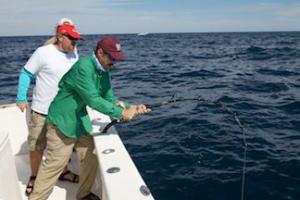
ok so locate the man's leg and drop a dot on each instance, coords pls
(59, 149)
(88, 165)
(36, 143)
(35, 161)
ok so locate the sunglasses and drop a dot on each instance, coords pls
(110, 57)
(70, 37)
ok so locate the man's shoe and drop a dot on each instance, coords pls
(90, 196)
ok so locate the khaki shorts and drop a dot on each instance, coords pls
(37, 132)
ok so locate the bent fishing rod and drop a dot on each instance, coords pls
(218, 103)
(174, 99)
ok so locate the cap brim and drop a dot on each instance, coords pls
(119, 55)
(75, 35)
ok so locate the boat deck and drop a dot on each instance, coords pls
(61, 189)
(21, 157)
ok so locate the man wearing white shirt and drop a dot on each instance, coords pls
(47, 65)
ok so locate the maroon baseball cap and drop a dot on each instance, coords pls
(111, 45)
(68, 29)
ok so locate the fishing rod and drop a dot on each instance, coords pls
(218, 103)
(174, 99)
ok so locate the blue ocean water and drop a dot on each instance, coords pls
(193, 150)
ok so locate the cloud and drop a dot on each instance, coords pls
(112, 3)
(276, 9)
(37, 17)
(286, 10)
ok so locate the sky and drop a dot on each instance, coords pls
(38, 17)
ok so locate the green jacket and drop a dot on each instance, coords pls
(83, 85)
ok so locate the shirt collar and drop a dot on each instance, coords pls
(98, 64)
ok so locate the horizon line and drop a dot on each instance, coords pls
(135, 33)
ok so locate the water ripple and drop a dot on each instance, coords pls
(193, 150)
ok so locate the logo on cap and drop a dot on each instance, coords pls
(118, 47)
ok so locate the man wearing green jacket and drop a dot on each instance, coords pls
(86, 84)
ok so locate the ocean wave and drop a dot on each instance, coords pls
(194, 150)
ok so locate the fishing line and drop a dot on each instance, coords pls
(218, 103)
